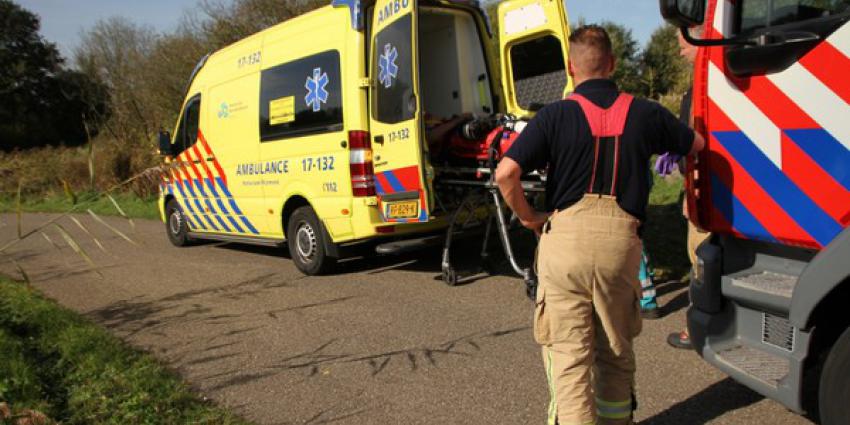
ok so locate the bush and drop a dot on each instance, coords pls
(43, 171)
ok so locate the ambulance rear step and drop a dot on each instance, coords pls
(408, 245)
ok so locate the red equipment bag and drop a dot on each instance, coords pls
(462, 148)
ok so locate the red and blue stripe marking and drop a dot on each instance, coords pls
(803, 198)
(187, 177)
(401, 180)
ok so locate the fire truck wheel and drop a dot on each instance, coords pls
(175, 224)
(834, 389)
(307, 239)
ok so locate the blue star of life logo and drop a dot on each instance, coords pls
(388, 69)
(316, 93)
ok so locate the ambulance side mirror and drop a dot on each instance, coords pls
(165, 146)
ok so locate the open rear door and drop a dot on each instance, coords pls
(533, 45)
(395, 115)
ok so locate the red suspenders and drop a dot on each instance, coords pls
(607, 126)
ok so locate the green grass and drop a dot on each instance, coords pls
(665, 232)
(101, 205)
(58, 363)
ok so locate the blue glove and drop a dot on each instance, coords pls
(667, 163)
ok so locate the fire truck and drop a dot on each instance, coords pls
(771, 288)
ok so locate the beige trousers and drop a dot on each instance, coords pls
(695, 237)
(588, 311)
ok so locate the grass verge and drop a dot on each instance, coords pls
(56, 362)
(665, 232)
(132, 205)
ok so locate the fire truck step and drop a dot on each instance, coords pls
(766, 367)
(768, 282)
(767, 289)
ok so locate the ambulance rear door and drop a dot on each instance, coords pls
(533, 46)
(401, 177)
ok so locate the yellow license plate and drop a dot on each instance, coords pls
(407, 209)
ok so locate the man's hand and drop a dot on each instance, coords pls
(666, 163)
(535, 222)
(508, 178)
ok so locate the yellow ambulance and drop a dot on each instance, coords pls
(312, 132)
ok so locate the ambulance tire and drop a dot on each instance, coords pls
(834, 389)
(307, 240)
(175, 224)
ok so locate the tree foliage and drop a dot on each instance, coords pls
(626, 50)
(662, 69)
(43, 103)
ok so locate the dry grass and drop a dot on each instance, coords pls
(45, 171)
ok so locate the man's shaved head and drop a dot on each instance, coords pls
(591, 54)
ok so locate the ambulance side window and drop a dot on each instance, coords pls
(301, 97)
(187, 130)
(393, 99)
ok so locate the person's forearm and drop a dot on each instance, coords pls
(511, 189)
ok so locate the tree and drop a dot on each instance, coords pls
(114, 52)
(231, 21)
(627, 73)
(42, 103)
(663, 71)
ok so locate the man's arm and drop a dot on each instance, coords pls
(699, 143)
(508, 178)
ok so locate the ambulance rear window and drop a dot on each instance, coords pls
(392, 70)
(539, 72)
(301, 97)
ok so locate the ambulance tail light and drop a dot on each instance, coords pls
(360, 163)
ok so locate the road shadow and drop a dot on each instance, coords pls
(709, 404)
(465, 258)
(678, 302)
(410, 358)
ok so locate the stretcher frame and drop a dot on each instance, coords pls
(480, 192)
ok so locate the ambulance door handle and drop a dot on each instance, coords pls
(210, 159)
(379, 139)
(196, 161)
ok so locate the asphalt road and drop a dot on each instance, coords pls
(382, 342)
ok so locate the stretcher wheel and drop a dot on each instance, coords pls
(488, 265)
(450, 276)
(531, 288)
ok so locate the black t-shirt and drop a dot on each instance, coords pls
(559, 136)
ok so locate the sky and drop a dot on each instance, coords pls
(62, 21)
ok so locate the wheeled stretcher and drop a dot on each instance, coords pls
(472, 199)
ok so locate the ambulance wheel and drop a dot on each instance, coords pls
(450, 276)
(307, 241)
(175, 224)
(834, 388)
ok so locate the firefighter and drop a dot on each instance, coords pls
(597, 144)
(668, 162)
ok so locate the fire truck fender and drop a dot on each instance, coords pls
(825, 274)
